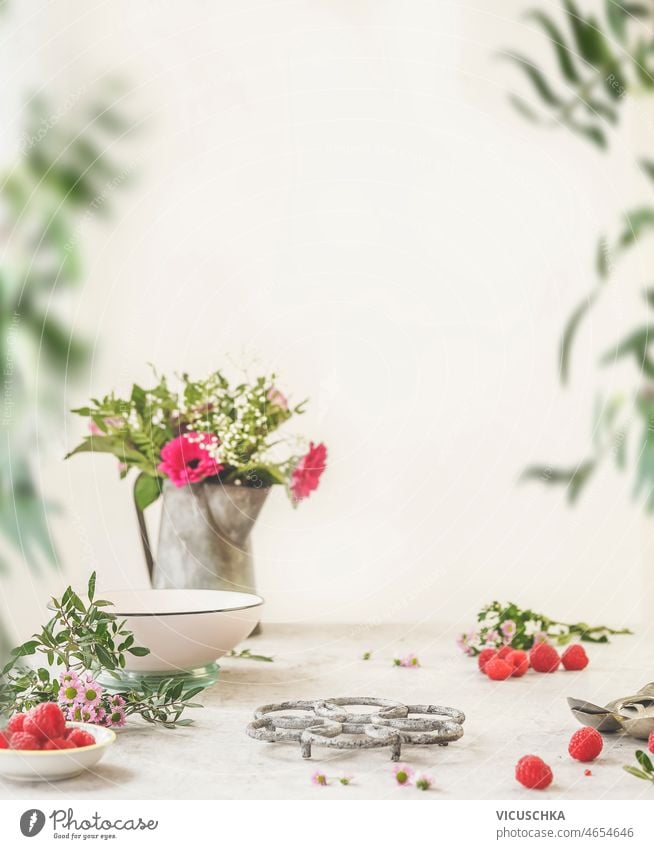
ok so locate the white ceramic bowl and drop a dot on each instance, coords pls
(56, 764)
(184, 629)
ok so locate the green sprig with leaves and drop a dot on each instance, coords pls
(644, 770)
(508, 624)
(602, 55)
(87, 639)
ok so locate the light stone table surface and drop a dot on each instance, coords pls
(214, 759)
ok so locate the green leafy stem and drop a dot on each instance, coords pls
(644, 770)
(86, 638)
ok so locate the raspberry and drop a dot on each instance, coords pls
(544, 658)
(59, 743)
(587, 772)
(504, 652)
(16, 722)
(519, 661)
(650, 743)
(22, 740)
(498, 669)
(574, 657)
(585, 744)
(484, 656)
(4, 740)
(80, 738)
(45, 721)
(531, 771)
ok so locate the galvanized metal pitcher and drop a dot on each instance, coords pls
(204, 537)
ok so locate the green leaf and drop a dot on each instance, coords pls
(574, 479)
(603, 259)
(146, 490)
(637, 773)
(537, 79)
(641, 55)
(138, 651)
(559, 44)
(648, 167)
(192, 693)
(77, 602)
(617, 18)
(590, 41)
(644, 761)
(91, 586)
(594, 134)
(109, 445)
(570, 332)
(105, 657)
(638, 221)
(25, 649)
(636, 344)
(524, 109)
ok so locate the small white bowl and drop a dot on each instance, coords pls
(184, 629)
(56, 764)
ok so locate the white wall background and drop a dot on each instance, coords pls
(340, 189)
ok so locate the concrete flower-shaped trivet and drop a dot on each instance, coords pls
(632, 714)
(328, 723)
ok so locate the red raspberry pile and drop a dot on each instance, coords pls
(43, 728)
(511, 663)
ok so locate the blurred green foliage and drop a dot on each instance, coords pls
(602, 57)
(61, 178)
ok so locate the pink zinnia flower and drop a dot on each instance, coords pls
(319, 779)
(424, 782)
(277, 398)
(403, 774)
(184, 460)
(306, 475)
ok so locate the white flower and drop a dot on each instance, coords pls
(555, 630)
(533, 626)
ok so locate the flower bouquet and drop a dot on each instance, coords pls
(509, 625)
(214, 451)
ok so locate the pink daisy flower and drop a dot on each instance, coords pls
(410, 662)
(319, 779)
(91, 693)
(305, 477)
(508, 630)
(424, 782)
(70, 692)
(403, 774)
(185, 460)
(80, 713)
(115, 718)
